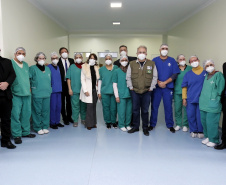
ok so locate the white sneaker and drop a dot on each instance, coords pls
(200, 135)
(177, 128)
(45, 131)
(210, 144)
(128, 128)
(123, 129)
(205, 141)
(185, 129)
(193, 134)
(41, 132)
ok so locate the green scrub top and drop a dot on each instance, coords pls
(179, 80)
(106, 78)
(210, 98)
(40, 82)
(119, 77)
(74, 74)
(21, 85)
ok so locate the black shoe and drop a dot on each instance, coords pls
(220, 146)
(60, 125)
(17, 140)
(172, 129)
(54, 126)
(146, 133)
(150, 128)
(108, 125)
(66, 122)
(133, 130)
(30, 136)
(114, 125)
(8, 145)
(71, 120)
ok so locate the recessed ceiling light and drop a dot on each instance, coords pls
(116, 5)
(116, 23)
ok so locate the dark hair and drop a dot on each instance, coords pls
(123, 46)
(62, 48)
(95, 57)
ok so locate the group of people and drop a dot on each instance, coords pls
(40, 94)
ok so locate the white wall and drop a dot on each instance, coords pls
(99, 43)
(25, 25)
(1, 36)
(203, 35)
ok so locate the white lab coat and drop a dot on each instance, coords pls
(86, 82)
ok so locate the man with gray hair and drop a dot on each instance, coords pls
(55, 98)
(141, 79)
(21, 111)
(7, 76)
(167, 72)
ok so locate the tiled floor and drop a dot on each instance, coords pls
(76, 156)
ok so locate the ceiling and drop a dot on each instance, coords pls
(143, 16)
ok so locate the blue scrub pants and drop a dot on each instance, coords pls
(194, 119)
(140, 101)
(157, 95)
(55, 108)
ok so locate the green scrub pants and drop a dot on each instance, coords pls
(109, 108)
(40, 113)
(210, 123)
(124, 108)
(20, 116)
(178, 108)
(78, 107)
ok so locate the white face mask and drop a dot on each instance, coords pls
(195, 64)
(55, 61)
(123, 53)
(78, 60)
(164, 52)
(108, 62)
(141, 56)
(210, 69)
(41, 62)
(92, 62)
(64, 55)
(182, 63)
(124, 63)
(20, 58)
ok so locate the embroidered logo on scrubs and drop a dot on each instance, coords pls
(212, 82)
(149, 68)
(171, 92)
(169, 64)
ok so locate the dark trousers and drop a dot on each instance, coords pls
(65, 100)
(91, 114)
(5, 115)
(141, 102)
(223, 137)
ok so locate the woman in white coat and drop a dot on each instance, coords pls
(89, 78)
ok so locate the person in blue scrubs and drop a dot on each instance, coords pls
(191, 90)
(55, 98)
(167, 72)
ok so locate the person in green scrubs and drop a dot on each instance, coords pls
(21, 110)
(40, 79)
(122, 95)
(73, 77)
(105, 92)
(181, 119)
(210, 103)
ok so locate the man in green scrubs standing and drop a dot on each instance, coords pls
(179, 109)
(73, 77)
(21, 110)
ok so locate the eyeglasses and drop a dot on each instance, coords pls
(209, 65)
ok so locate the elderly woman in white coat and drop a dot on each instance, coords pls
(89, 78)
